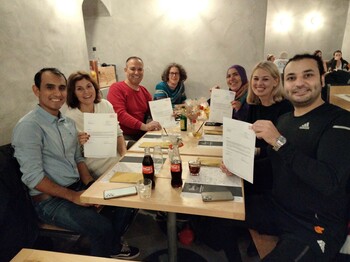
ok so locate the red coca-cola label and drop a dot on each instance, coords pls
(147, 169)
(175, 167)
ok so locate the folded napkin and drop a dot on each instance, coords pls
(213, 132)
(126, 177)
(163, 145)
(210, 161)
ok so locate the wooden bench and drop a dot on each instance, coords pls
(48, 256)
(19, 221)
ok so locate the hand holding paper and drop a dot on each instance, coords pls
(102, 129)
(239, 148)
(220, 104)
(162, 112)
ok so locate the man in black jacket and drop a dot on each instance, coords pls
(310, 159)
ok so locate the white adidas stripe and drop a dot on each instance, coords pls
(342, 127)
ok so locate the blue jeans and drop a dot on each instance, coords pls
(104, 232)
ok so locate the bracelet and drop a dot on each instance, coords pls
(89, 184)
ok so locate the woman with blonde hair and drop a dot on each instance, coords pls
(266, 102)
(269, 90)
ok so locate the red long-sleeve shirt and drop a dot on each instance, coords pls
(130, 105)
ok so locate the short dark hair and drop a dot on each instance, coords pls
(337, 51)
(182, 71)
(317, 51)
(72, 100)
(133, 57)
(307, 56)
(55, 71)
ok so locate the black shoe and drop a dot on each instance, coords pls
(127, 252)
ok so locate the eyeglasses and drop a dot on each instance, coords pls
(174, 74)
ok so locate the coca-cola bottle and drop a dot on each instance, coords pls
(148, 166)
(175, 166)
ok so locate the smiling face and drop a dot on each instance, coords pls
(52, 92)
(302, 84)
(174, 77)
(263, 84)
(337, 55)
(233, 80)
(134, 72)
(85, 92)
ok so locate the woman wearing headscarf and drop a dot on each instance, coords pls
(237, 81)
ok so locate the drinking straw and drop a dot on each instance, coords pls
(200, 127)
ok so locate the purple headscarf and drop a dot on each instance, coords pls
(241, 72)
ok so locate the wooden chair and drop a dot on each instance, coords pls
(339, 95)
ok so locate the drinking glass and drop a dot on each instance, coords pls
(144, 188)
(157, 158)
(194, 167)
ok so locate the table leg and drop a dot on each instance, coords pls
(172, 237)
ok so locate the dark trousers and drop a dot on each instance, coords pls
(297, 240)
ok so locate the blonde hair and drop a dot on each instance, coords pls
(277, 92)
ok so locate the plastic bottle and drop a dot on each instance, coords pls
(95, 56)
(175, 166)
(148, 166)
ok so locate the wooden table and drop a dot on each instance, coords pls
(190, 146)
(34, 255)
(165, 198)
(168, 199)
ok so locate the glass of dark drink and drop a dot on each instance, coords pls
(194, 167)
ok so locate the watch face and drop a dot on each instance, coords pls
(282, 140)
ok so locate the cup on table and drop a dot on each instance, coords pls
(157, 158)
(144, 188)
(194, 166)
(196, 128)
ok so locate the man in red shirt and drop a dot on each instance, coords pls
(130, 101)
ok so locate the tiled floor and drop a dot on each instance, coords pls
(146, 234)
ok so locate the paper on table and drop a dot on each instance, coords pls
(162, 112)
(213, 132)
(163, 145)
(213, 162)
(126, 177)
(130, 166)
(210, 140)
(214, 176)
(220, 104)
(102, 129)
(212, 179)
(239, 148)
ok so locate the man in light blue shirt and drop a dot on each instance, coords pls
(47, 149)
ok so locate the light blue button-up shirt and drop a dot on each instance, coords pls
(46, 145)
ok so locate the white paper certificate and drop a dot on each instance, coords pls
(239, 148)
(102, 129)
(162, 111)
(220, 104)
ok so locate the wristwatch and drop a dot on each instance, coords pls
(281, 140)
